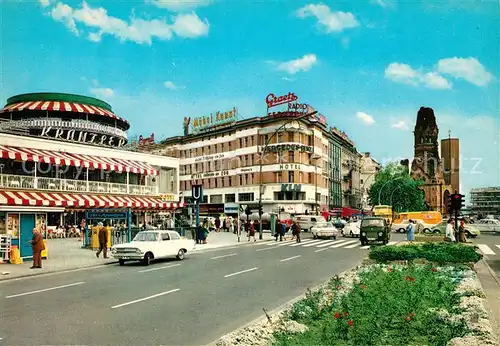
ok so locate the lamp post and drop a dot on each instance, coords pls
(315, 157)
(262, 153)
(382, 188)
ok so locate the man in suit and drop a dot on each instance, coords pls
(37, 247)
(103, 241)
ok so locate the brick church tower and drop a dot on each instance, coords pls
(427, 165)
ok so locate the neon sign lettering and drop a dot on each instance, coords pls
(272, 100)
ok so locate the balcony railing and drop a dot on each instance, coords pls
(69, 185)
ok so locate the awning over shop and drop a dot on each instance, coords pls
(69, 200)
(61, 107)
(78, 160)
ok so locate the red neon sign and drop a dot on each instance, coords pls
(272, 100)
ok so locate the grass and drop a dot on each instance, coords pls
(392, 306)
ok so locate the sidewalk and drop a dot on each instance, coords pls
(67, 254)
(491, 287)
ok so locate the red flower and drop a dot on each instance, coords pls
(408, 318)
(362, 287)
(409, 278)
(389, 269)
(346, 314)
(337, 315)
(350, 323)
(337, 287)
(434, 270)
(412, 314)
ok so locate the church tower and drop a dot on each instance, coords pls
(427, 165)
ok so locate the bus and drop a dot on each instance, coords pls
(384, 211)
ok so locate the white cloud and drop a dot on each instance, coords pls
(400, 125)
(288, 79)
(384, 3)
(365, 118)
(405, 74)
(179, 5)
(136, 30)
(102, 92)
(302, 64)
(469, 69)
(172, 86)
(45, 3)
(328, 20)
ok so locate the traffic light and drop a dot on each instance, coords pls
(260, 210)
(456, 201)
(449, 205)
(462, 201)
(248, 211)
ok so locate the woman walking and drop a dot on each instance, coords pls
(251, 232)
(410, 231)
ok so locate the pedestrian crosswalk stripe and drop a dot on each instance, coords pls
(305, 242)
(343, 244)
(330, 242)
(315, 243)
(365, 247)
(392, 242)
(485, 249)
(498, 246)
(281, 242)
(353, 245)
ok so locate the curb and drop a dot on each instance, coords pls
(490, 270)
(6, 278)
(284, 306)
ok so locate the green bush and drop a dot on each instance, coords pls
(387, 307)
(434, 252)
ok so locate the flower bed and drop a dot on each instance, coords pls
(420, 303)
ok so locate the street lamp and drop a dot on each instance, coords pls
(262, 153)
(382, 188)
(315, 157)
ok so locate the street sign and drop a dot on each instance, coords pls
(197, 193)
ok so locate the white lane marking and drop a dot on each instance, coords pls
(330, 242)
(304, 242)
(241, 272)
(276, 246)
(316, 243)
(267, 248)
(343, 244)
(337, 242)
(498, 246)
(485, 249)
(146, 298)
(281, 242)
(224, 256)
(159, 268)
(289, 258)
(365, 247)
(353, 245)
(44, 290)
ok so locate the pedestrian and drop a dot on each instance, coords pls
(103, 241)
(461, 232)
(277, 230)
(37, 246)
(251, 232)
(410, 235)
(217, 224)
(296, 231)
(449, 232)
(283, 231)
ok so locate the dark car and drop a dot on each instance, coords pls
(374, 229)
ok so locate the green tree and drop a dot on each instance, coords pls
(398, 189)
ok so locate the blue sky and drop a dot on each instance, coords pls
(366, 65)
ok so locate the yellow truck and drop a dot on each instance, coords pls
(384, 211)
(428, 219)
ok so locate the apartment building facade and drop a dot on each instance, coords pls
(291, 161)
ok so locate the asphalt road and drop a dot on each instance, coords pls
(190, 302)
(489, 245)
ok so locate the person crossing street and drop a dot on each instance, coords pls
(296, 231)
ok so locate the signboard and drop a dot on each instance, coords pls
(210, 175)
(197, 193)
(167, 197)
(206, 122)
(213, 208)
(290, 167)
(85, 137)
(146, 141)
(298, 107)
(231, 208)
(291, 187)
(289, 147)
(273, 101)
(106, 215)
(209, 157)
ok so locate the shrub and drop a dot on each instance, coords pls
(434, 252)
(393, 307)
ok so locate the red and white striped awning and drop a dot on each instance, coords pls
(61, 107)
(70, 200)
(78, 160)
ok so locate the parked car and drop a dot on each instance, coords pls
(374, 229)
(488, 225)
(324, 229)
(352, 229)
(470, 230)
(150, 245)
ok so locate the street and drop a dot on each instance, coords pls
(489, 246)
(192, 302)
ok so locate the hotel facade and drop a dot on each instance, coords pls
(295, 162)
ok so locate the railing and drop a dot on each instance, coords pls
(55, 184)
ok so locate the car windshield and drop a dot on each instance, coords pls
(324, 224)
(146, 236)
(372, 222)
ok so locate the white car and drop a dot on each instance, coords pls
(324, 230)
(487, 225)
(150, 245)
(352, 229)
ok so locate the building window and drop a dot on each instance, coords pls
(280, 137)
(230, 198)
(291, 176)
(279, 177)
(291, 156)
(245, 197)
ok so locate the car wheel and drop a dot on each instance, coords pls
(436, 231)
(351, 234)
(363, 243)
(427, 230)
(180, 255)
(314, 236)
(122, 262)
(401, 230)
(334, 237)
(147, 258)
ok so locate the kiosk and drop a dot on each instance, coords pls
(101, 215)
